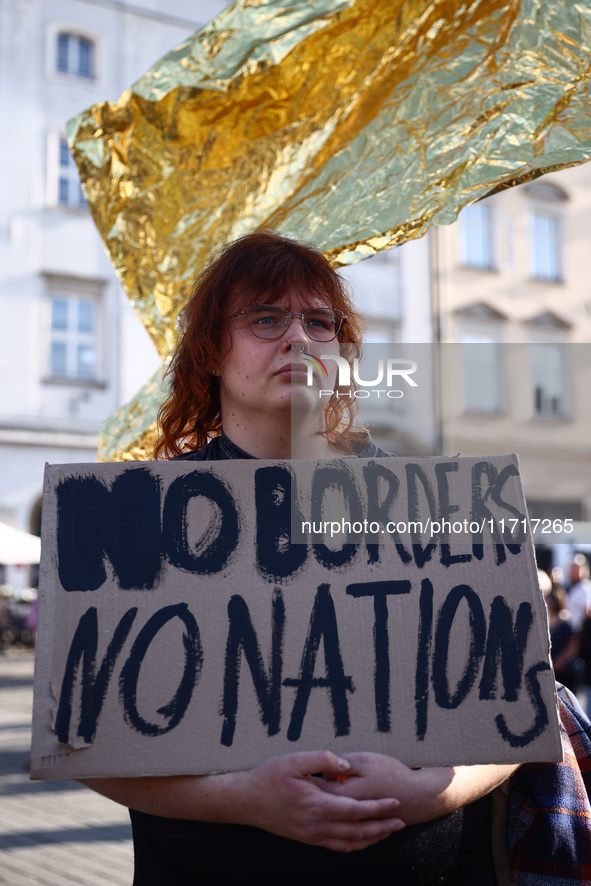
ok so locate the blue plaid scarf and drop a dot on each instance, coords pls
(549, 811)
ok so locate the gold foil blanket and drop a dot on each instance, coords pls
(354, 124)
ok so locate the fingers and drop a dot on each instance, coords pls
(353, 836)
(311, 762)
(347, 809)
(293, 804)
(358, 832)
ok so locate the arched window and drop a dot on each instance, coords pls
(75, 55)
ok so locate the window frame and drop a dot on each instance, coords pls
(565, 413)
(491, 329)
(76, 290)
(544, 198)
(73, 44)
(491, 264)
(72, 29)
(54, 177)
(538, 211)
(480, 321)
(480, 340)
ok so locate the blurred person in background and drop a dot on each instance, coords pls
(579, 594)
(5, 636)
(557, 579)
(565, 642)
(585, 653)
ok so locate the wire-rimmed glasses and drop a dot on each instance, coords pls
(271, 321)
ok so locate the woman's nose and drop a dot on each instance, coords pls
(295, 332)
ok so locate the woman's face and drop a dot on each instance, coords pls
(270, 376)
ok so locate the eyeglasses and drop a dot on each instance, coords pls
(271, 321)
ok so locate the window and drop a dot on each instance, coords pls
(476, 236)
(480, 363)
(75, 55)
(481, 334)
(73, 337)
(376, 284)
(545, 247)
(69, 191)
(547, 363)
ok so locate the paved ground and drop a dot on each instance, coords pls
(55, 833)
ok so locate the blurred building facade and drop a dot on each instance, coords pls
(513, 279)
(504, 295)
(72, 349)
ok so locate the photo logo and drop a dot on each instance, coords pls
(388, 371)
(314, 363)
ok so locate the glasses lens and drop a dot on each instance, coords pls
(321, 324)
(267, 321)
(271, 321)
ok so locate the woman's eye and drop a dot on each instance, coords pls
(265, 320)
(320, 321)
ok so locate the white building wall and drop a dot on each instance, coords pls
(44, 244)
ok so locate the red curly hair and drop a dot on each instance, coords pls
(260, 266)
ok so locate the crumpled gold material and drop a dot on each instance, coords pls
(354, 124)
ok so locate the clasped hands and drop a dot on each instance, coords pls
(342, 803)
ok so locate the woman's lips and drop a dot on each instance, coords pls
(292, 371)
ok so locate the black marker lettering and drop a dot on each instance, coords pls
(506, 643)
(175, 709)
(380, 590)
(423, 657)
(214, 548)
(122, 523)
(447, 614)
(323, 625)
(94, 684)
(276, 556)
(378, 509)
(327, 478)
(507, 472)
(242, 638)
(541, 714)
(414, 474)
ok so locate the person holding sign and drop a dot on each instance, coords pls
(263, 305)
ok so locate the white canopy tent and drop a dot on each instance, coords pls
(18, 547)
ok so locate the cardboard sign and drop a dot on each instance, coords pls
(182, 629)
